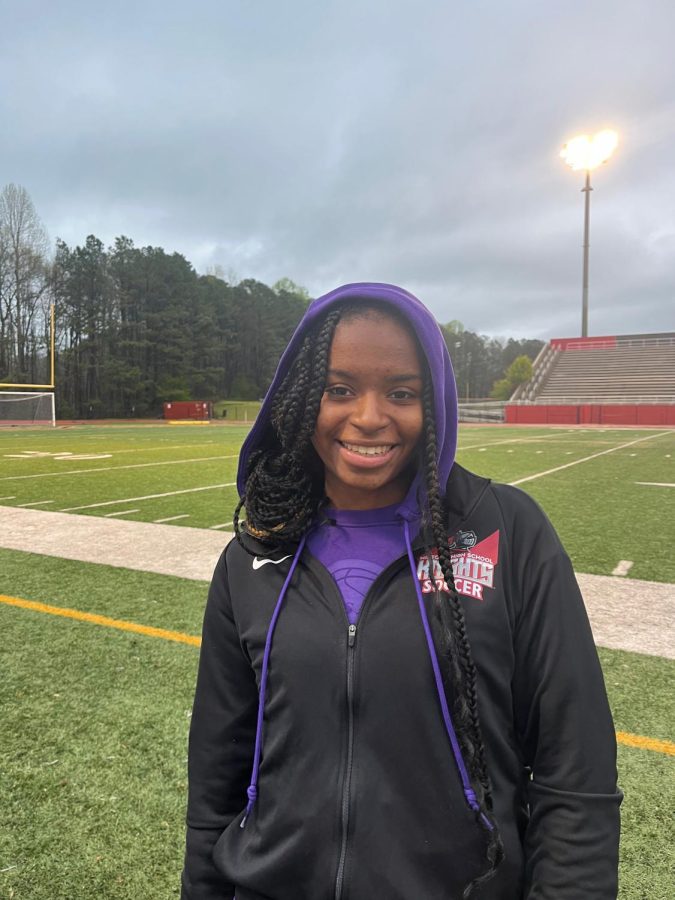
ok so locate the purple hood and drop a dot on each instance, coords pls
(433, 346)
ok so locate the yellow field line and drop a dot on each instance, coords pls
(94, 619)
(623, 737)
(645, 743)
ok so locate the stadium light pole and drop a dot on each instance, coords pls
(587, 153)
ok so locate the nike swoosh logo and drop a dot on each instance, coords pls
(257, 563)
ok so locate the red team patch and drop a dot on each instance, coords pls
(474, 569)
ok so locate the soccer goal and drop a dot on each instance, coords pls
(24, 408)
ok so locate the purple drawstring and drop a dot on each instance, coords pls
(252, 789)
(469, 792)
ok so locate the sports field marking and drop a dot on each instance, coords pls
(69, 457)
(623, 737)
(209, 487)
(645, 743)
(35, 503)
(13, 497)
(518, 440)
(224, 525)
(577, 462)
(623, 567)
(121, 512)
(171, 519)
(106, 621)
(35, 454)
(169, 462)
(656, 483)
(168, 446)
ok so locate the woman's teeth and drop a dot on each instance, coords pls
(367, 451)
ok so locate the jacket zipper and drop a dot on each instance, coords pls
(346, 784)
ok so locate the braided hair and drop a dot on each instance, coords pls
(283, 495)
(460, 669)
(284, 481)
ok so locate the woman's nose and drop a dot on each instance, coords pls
(369, 413)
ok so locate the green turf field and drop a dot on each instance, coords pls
(158, 472)
(93, 744)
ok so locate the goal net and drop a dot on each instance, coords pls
(23, 408)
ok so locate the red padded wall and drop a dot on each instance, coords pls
(592, 414)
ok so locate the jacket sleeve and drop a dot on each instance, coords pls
(222, 735)
(564, 724)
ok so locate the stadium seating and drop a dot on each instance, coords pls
(605, 370)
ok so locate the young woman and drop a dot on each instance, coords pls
(398, 696)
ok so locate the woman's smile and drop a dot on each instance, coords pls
(366, 454)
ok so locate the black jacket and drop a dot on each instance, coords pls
(399, 821)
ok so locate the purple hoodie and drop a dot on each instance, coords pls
(445, 410)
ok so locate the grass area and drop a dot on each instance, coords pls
(600, 511)
(107, 464)
(602, 514)
(93, 745)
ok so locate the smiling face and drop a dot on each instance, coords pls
(370, 421)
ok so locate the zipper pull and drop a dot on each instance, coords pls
(352, 635)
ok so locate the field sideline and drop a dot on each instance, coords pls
(94, 737)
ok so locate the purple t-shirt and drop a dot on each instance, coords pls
(355, 545)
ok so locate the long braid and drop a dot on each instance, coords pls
(282, 493)
(456, 650)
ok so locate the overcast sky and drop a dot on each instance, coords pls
(390, 140)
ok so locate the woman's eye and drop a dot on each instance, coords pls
(337, 391)
(402, 395)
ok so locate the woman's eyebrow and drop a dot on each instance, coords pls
(392, 379)
(412, 376)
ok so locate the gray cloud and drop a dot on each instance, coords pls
(345, 141)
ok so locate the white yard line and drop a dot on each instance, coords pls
(169, 462)
(576, 462)
(623, 567)
(656, 483)
(544, 437)
(209, 487)
(35, 503)
(122, 512)
(167, 446)
(13, 497)
(216, 527)
(486, 444)
(171, 519)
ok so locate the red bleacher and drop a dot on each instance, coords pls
(608, 380)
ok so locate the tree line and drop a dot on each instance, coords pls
(137, 326)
